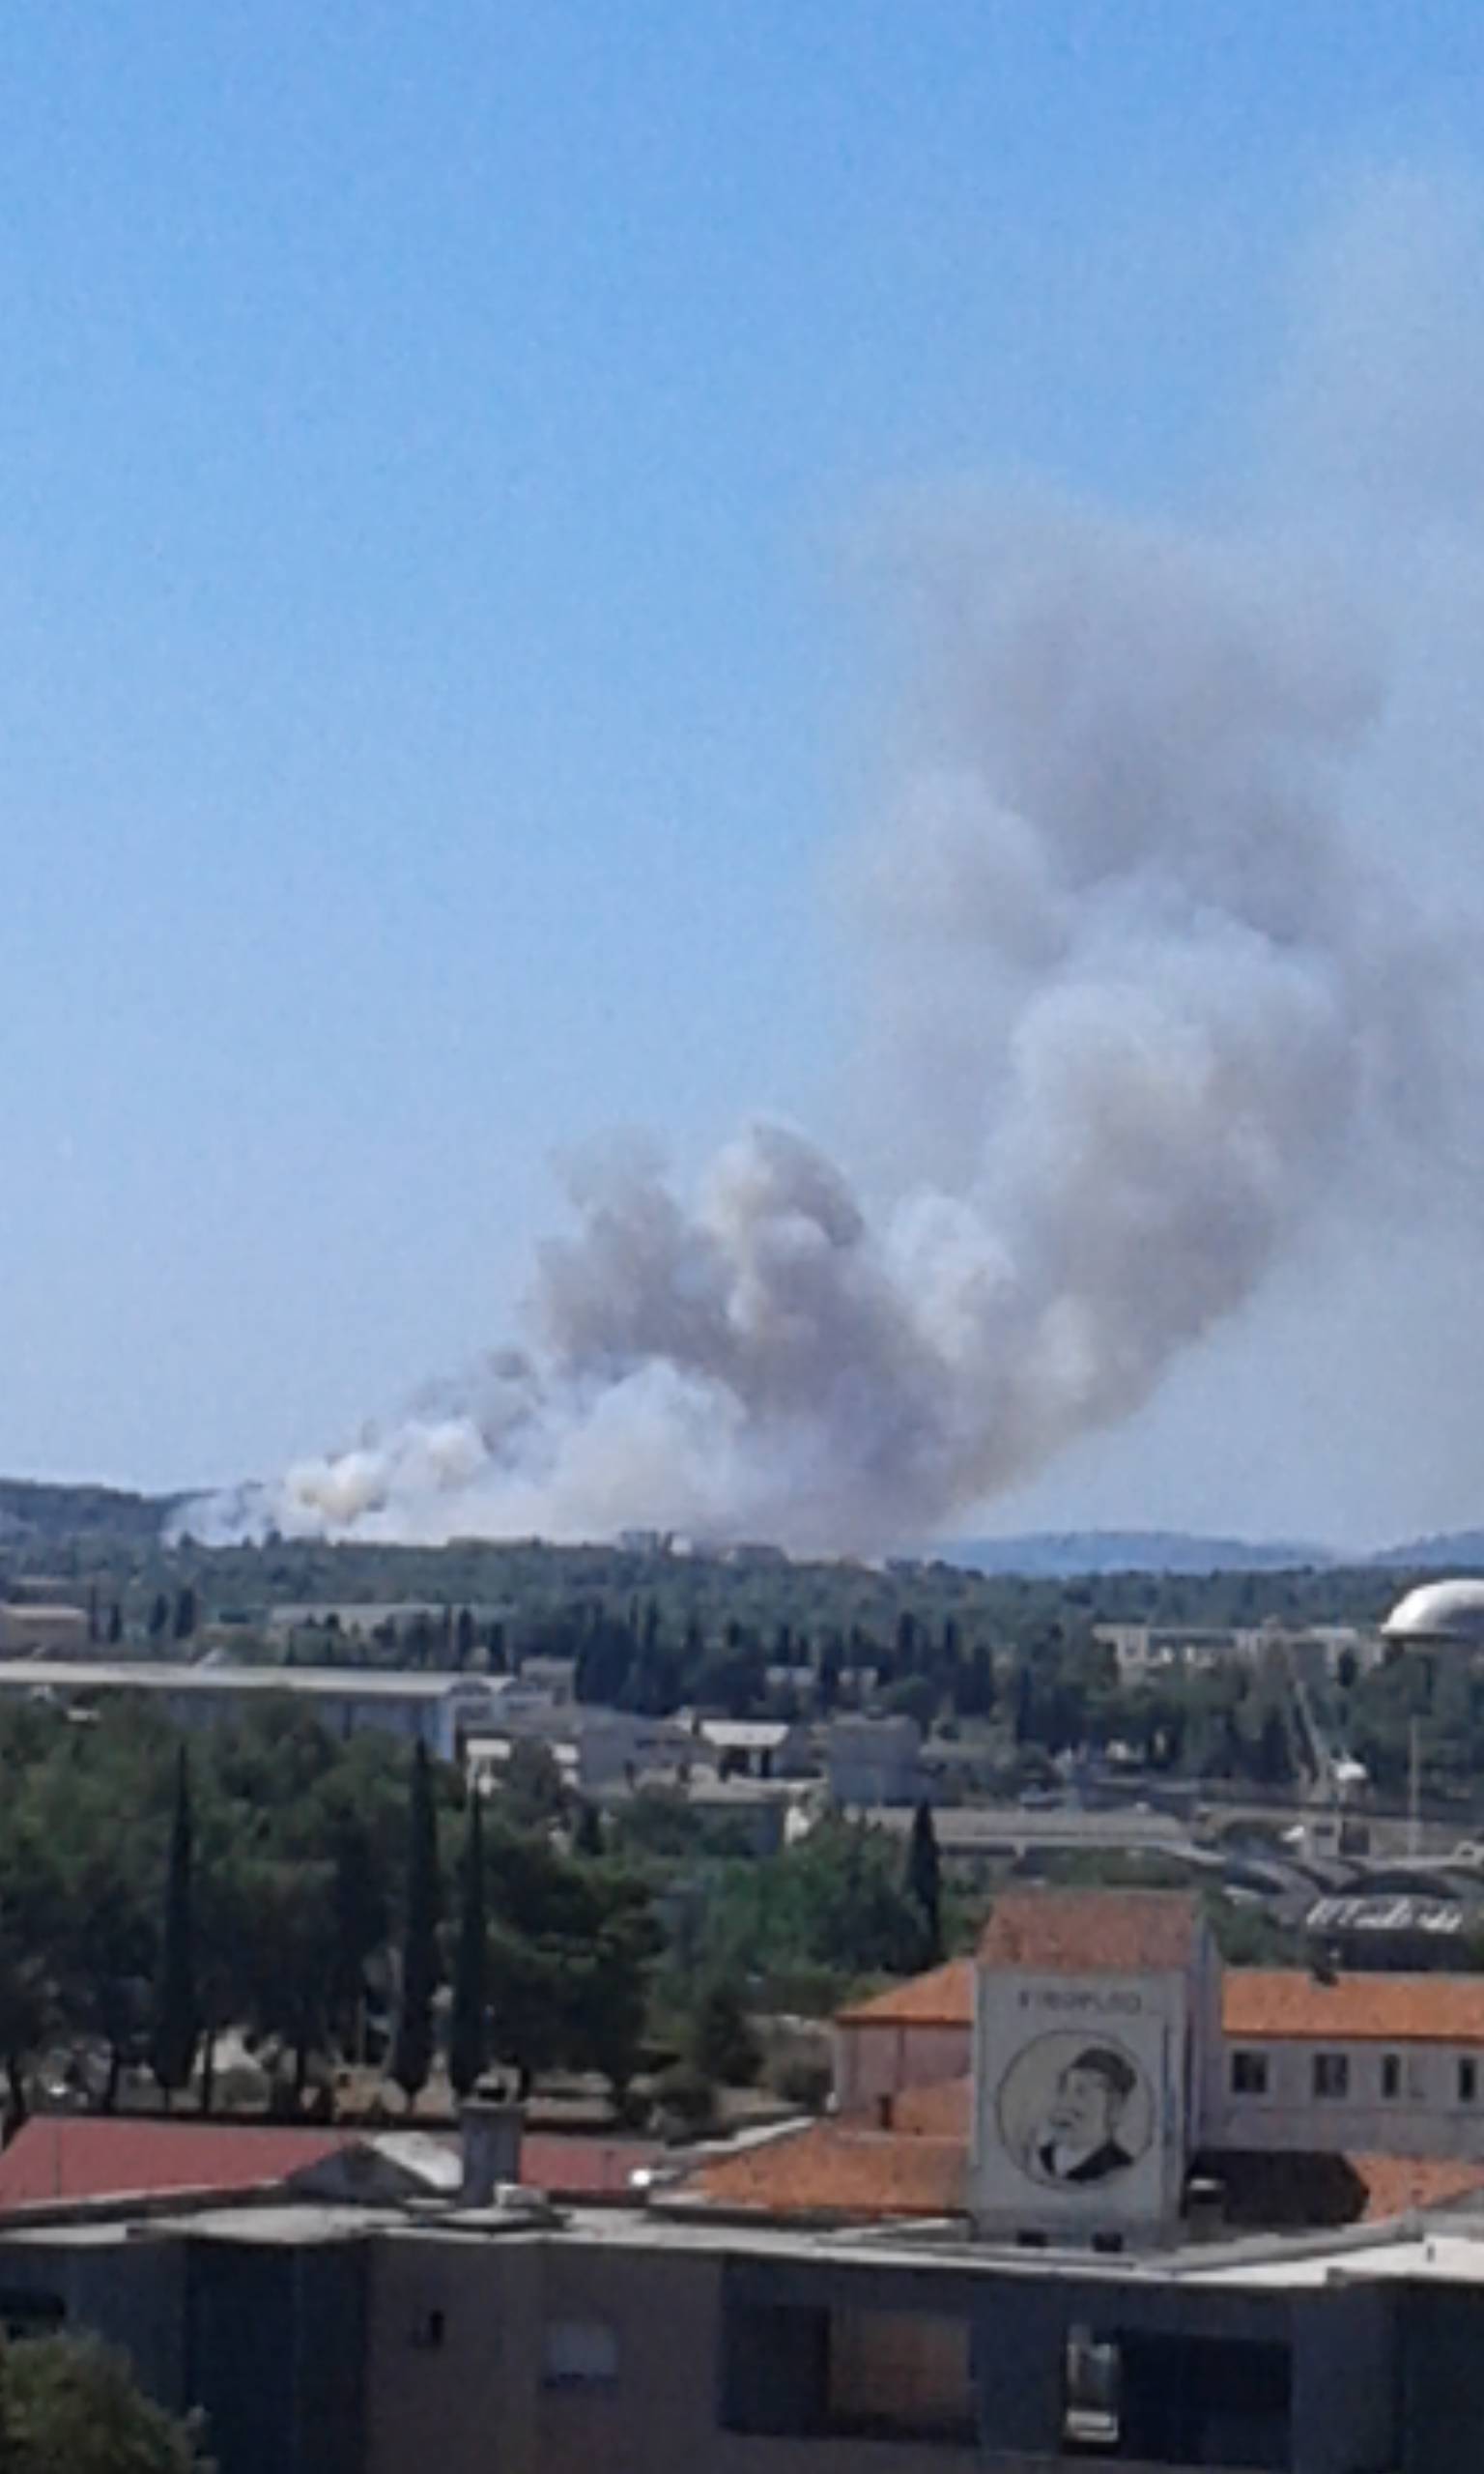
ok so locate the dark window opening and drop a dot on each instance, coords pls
(791, 2372)
(1249, 2074)
(1390, 2074)
(1331, 2073)
(1177, 2401)
(24, 2313)
(1467, 2081)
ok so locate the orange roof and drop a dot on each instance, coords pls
(1387, 2009)
(1109, 1931)
(1396, 2184)
(944, 1997)
(828, 2168)
(940, 2111)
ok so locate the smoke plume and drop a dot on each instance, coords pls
(1142, 1003)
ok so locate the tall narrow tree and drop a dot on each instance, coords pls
(177, 2023)
(924, 1882)
(468, 2048)
(411, 2058)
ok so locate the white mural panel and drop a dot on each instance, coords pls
(1079, 2096)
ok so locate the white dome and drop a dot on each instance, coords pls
(1439, 1611)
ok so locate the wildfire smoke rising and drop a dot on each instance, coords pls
(1131, 966)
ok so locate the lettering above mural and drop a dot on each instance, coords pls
(1074, 2110)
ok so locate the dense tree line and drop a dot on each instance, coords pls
(323, 1897)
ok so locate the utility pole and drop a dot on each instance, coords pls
(1414, 1788)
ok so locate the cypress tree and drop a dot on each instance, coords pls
(924, 1880)
(466, 2050)
(177, 2023)
(413, 2052)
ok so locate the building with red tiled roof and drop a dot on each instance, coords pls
(1094, 2029)
(913, 2035)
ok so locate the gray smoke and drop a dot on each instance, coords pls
(1137, 995)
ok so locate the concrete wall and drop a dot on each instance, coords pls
(1426, 2120)
(875, 2061)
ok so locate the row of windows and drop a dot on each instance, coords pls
(1331, 2076)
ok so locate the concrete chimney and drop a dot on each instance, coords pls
(490, 2135)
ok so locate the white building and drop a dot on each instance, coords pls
(435, 1710)
(873, 1761)
(757, 1747)
(1094, 2055)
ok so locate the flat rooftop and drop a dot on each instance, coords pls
(166, 1675)
(1451, 2254)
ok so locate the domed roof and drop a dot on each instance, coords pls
(1439, 1611)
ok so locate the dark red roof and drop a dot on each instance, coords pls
(95, 2156)
(576, 2167)
(87, 2156)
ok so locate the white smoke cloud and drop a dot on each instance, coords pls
(1133, 968)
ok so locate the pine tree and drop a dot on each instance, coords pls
(924, 1880)
(588, 1832)
(722, 2045)
(468, 2050)
(115, 1624)
(413, 2052)
(177, 2025)
(184, 1613)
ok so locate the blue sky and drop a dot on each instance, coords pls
(433, 675)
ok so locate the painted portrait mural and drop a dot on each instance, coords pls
(1075, 2110)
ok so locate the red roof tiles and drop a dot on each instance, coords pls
(944, 1997)
(829, 2169)
(79, 2156)
(1389, 2009)
(1109, 1931)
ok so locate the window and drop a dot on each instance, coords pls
(1390, 2075)
(1467, 2081)
(1249, 2074)
(1331, 2073)
(1091, 2392)
(900, 2375)
(579, 2353)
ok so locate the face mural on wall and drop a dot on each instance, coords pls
(1074, 2111)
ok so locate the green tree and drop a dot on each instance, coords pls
(411, 2058)
(468, 2033)
(177, 2022)
(69, 2405)
(720, 2043)
(924, 1882)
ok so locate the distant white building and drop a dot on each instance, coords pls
(49, 1628)
(757, 1748)
(873, 1761)
(435, 1710)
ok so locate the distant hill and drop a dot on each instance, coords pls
(1450, 1550)
(32, 1510)
(1071, 1554)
